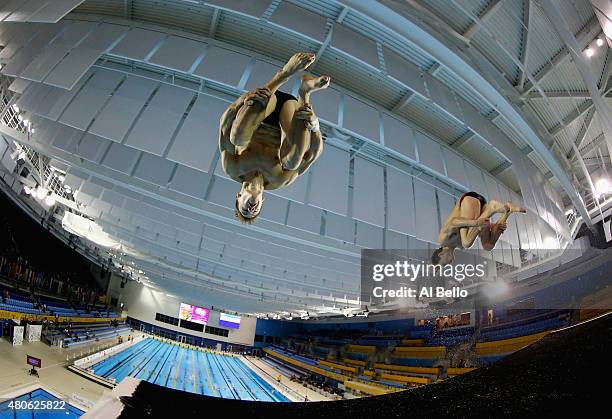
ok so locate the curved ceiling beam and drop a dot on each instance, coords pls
(449, 58)
(562, 28)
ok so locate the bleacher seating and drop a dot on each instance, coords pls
(423, 356)
(369, 387)
(525, 326)
(322, 350)
(337, 366)
(418, 357)
(310, 366)
(404, 379)
(19, 306)
(355, 362)
(494, 350)
(378, 341)
(426, 371)
(412, 342)
(360, 352)
(85, 333)
(451, 337)
(22, 302)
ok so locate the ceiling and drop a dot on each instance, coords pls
(282, 263)
(539, 72)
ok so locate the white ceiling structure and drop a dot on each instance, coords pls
(429, 99)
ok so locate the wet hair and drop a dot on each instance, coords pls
(435, 256)
(242, 218)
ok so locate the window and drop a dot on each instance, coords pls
(166, 319)
(217, 331)
(186, 324)
(259, 338)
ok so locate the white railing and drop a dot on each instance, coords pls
(101, 355)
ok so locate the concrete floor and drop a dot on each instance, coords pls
(53, 375)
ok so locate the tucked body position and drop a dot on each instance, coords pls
(268, 138)
(469, 219)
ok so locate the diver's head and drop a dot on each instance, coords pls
(443, 256)
(250, 200)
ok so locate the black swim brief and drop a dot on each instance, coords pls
(274, 118)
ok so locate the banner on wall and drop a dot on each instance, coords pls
(17, 335)
(33, 332)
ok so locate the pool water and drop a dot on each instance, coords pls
(38, 404)
(182, 368)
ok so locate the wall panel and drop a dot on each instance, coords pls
(399, 137)
(88, 102)
(137, 44)
(475, 179)
(400, 202)
(178, 53)
(156, 125)
(122, 109)
(68, 72)
(430, 153)
(360, 118)
(325, 104)
(197, 141)
(329, 187)
(454, 166)
(304, 217)
(190, 181)
(427, 227)
(369, 236)
(355, 44)
(300, 20)
(369, 192)
(222, 65)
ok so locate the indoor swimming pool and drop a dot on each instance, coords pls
(38, 404)
(181, 368)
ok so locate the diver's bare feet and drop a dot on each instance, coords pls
(311, 83)
(510, 208)
(298, 62)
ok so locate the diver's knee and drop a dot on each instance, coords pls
(291, 163)
(238, 136)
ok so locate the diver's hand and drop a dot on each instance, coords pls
(259, 96)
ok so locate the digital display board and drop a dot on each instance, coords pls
(194, 314)
(230, 321)
(35, 362)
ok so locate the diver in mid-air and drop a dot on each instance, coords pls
(268, 138)
(470, 218)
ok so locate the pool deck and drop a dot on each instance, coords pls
(313, 396)
(14, 373)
